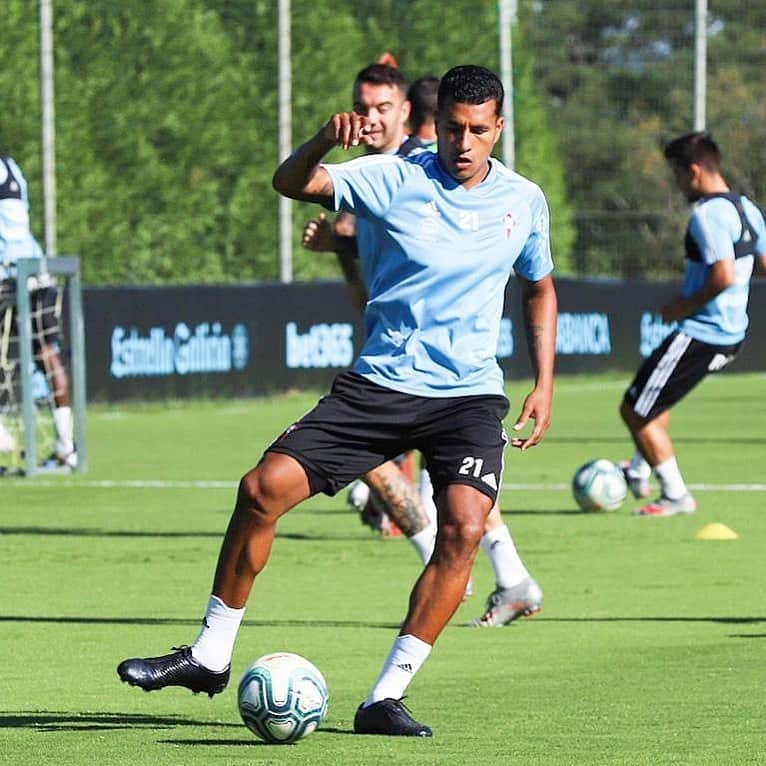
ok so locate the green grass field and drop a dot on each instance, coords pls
(650, 648)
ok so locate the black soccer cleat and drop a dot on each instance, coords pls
(176, 669)
(388, 716)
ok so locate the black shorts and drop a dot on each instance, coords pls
(43, 311)
(45, 319)
(360, 425)
(672, 370)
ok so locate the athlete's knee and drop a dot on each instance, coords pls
(627, 413)
(261, 492)
(460, 533)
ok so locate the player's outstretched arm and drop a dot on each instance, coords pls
(301, 177)
(540, 307)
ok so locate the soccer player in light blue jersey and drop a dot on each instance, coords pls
(445, 231)
(725, 239)
(17, 241)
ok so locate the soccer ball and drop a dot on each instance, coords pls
(282, 697)
(599, 485)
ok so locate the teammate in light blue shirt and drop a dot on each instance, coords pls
(725, 239)
(714, 228)
(445, 233)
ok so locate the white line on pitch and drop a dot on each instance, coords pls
(160, 484)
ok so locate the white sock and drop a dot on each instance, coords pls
(7, 441)
(671, 481)
(424, 542)
(502, 554)
(639, 466)
(62, 423)
(215, 643)
(427, 495)
(404, 660)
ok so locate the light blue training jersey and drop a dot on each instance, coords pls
(16, 240)
(435, 258)
(715, 226)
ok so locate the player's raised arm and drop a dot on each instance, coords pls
(540, 307)
(301, 177)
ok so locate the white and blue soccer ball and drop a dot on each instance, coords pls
(599, 485)
(282, 697)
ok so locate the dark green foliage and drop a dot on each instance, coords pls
(166, 122)
(166, 119)
(619, 78)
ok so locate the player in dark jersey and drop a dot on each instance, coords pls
(725, 238)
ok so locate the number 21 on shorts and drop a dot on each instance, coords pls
(471, 466)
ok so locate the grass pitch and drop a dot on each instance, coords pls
(649, 649)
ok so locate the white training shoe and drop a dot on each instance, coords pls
(505, 605)
(664, 506)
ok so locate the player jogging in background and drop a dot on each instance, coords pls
(725, 236)
(16, 241)
(379, 93)
(437, 255)
(516, 593)
(422, 95)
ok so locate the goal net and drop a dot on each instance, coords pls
(42, 387)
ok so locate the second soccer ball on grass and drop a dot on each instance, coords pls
(599, 485)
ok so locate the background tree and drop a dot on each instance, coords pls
(619, 81)
(166, 118)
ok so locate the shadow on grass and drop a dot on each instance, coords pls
(248, 742)
(310, 623)
(140, 533)
(594, 439)
(252, 742)
(194, 622)
(50, 720)
(714, 620)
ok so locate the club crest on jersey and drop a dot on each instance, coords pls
(509, 224)
(429, 223)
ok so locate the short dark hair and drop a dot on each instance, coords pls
(694, 148)
(471, 84)
(422, 94)
(381, 74)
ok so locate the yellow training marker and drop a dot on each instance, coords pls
(716, 532)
